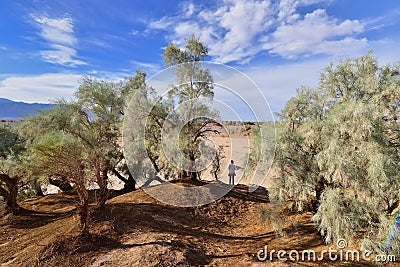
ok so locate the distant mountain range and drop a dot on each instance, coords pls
(11, 110)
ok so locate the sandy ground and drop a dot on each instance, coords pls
(136, 230)
(236, 147)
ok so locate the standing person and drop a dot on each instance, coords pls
(232, 169)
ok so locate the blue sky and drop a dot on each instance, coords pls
(46, 46)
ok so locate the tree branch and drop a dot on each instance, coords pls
(119, 176)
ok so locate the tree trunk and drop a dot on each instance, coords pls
(83, 212)
(193, 176)
(102, 180)
(154, 162)
(38, 188)
(393, 207)
(129, 184)
(61, 182)
(12, 198)
(216, 175)
(10, 193)
(319, 189)
(83, 208)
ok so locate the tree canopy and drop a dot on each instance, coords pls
(13, 166)
(338, 144)
(193, 89)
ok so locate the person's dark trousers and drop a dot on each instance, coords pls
(231, 179)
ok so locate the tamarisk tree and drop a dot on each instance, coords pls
(88, 132)
(62, 153)
(194, 88)
(338, 146)
(12, 167)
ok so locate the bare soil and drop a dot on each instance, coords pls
(136, 230)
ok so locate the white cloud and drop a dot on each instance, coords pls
(148, 67)
(188, 8)
(57, 30)
(59, 36)
(42, 88)
(62, 55)
(280, 81)
(345, 47)
(239, 30)
(311, 34)
(48, 87)
(111, 76)
(239, 35)
(287, 8)
(134, 32)
(387, 51)
(163, 23)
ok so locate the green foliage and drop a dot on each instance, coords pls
(193, 51)
(95, 119)
(296, 150)
(13, 166)
(12, 158)
(62, 153)
(79, 140)
(262, 150)
(11, 142)
(147, 117)
(338, 148)
(255, 146)
(342, 214)
(273, 216)
(193, 90)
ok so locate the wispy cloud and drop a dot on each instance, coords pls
(134, 32)
(148, 67)
(58, 33)
(279, 82)
(110, 75)
(3, 47)
(48, 87)
(41, 88)
(239, 30)
(188, 8)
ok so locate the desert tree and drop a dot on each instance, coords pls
(296, 152)
(13, 162)
(219, 157)
(99, 109)
(193, 89)
(87, 131)
(261, 153)
(95, 118)
(356, 158)
(336, 145)
(144, 121)
(63, 153)
(72, 118)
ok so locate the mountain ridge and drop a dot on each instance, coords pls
(13, 110)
